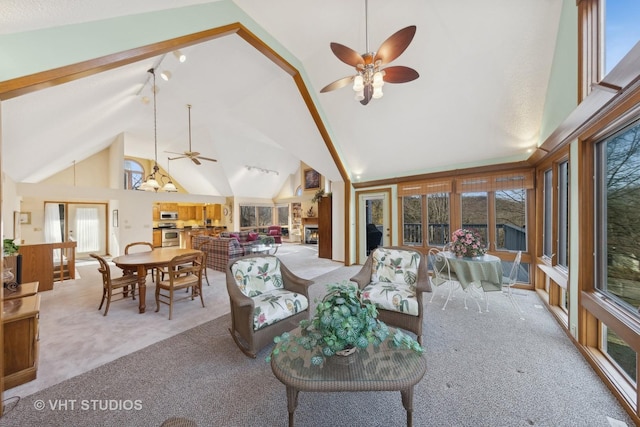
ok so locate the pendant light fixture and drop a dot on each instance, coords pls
(151, 183)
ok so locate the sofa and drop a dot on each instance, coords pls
(245, 238)
(220, 250)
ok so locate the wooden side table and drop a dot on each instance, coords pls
(21, 336)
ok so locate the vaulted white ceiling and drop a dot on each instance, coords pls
(484, 69)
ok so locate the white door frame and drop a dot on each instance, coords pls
(362, 197)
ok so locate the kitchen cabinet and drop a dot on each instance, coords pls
(171, 207)
(184, 213)
(157, 238)
(198, 215)
(214, 212)
(156, 212)
(20, 339)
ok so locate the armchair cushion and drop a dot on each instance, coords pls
(252, 237)
(255, 276)
(392, 296)
(275, 305)
(395, 266)
(260, 279)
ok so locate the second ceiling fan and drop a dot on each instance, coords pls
(369, 78)
(193, 155)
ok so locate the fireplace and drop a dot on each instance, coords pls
(311, 234)
(310, 230)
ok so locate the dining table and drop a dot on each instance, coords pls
(141, 262)
(483, 270)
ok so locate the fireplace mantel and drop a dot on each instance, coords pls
(310, 221)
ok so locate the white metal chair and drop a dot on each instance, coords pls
(508, 283)
(442, 275)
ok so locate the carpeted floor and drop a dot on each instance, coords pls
(484, 369)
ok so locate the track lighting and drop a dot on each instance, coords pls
(179, 56)
(166, 75)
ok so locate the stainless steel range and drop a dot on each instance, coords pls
(170, 234)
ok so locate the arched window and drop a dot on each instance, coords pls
(299, 191)
(133, 174)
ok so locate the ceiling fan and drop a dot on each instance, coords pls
(369, 77)
(193, 155)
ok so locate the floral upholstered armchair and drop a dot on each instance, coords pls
(266, 298)
(394, 279)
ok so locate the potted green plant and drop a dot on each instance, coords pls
(318, 195)
(342, 323)
(9, 247)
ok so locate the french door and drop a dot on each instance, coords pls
(84, 223)
(373, 222)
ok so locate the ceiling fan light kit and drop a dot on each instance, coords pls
(370, 77)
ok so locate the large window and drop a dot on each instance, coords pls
(412, 220)
(255, 216)
(475, 213)
(511, 220)
(618, 217)
(563, 214)
(283, 215)
(133, 174)
(547, 219)
(438, 231)
(621, 30)
(495, 205)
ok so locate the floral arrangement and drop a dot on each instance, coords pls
(341, 322)
(467, 243)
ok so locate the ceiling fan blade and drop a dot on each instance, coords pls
(368, 92)
(207, 158)
(176, 158)
(347, 55)
(191, 153)
(173, 152)
(340, 83)
(393, 47)
(195, 160)
(399, 74)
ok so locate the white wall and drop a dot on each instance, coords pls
(135, 221)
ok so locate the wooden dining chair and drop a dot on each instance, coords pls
(140, 247)
(183, 272)
(120, 285)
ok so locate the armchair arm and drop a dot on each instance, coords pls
(423, 284)
(363, 278)
(294, 283)
(235, 294)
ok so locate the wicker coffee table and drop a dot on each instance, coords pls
(373, 369)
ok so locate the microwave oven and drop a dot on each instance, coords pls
(168, 215)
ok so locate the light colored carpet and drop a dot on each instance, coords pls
(483, 369)
(75, 337)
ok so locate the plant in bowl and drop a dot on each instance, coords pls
(267, 240)
(342, 323)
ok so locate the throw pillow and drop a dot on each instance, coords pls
(252, 237)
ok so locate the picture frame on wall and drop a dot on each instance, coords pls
(311, 179)
(25, 218)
